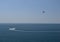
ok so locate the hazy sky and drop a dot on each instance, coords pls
(29, 11)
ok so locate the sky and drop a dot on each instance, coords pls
(29, 11)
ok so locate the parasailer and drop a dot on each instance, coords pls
(43, 11)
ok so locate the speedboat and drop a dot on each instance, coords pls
(12, 28)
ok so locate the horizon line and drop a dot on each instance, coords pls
(30, 23)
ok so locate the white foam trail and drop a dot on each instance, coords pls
(34, 31)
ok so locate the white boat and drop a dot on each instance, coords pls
(12, 28)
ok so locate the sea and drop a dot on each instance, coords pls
(26, 32)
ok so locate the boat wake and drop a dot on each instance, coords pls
(14, 29)
(34, 31)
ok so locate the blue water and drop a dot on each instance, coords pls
(18, 36)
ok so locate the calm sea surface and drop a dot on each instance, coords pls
(49, 33)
